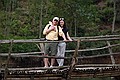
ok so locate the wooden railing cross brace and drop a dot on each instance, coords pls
(110, 51)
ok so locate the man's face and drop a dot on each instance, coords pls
(55, 22)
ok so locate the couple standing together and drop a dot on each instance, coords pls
(54, 31)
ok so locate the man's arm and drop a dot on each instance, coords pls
(47, 30)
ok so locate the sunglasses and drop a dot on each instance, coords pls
(56, 20)
(61, 18)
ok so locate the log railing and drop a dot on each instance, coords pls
(75, 57)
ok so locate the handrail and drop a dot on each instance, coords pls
(81, 50)
(93, 37)
(83, 39)
(32, 41)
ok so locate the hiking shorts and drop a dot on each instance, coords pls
(51, 49)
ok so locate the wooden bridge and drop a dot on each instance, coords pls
(76, 65)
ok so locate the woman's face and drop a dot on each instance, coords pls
(61, 23)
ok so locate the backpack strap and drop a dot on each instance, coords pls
(57, 29)
(49, 26)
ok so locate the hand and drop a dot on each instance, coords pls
(65, 40)
(70, 40)
(52, 28)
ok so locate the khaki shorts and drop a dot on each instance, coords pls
(51, 49)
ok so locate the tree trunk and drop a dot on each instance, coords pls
(114, 18)
(41, 13)
(75, 27)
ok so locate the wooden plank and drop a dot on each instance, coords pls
(34, 68)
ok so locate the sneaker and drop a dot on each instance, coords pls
(45, 66)
(51, 66)
(60, 66)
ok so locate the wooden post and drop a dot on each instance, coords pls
(110, 51)
(7, 62)
(74, 60)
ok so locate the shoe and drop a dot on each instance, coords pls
(51, 66)
(60, 66)
(45, 66)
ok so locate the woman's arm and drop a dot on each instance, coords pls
(69, 38)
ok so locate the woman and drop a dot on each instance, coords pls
(62, 45)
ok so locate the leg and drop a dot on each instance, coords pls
(46, 61)
(53, 52)
(61, 53)
(52, 62)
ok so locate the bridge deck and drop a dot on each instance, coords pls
(57, 72)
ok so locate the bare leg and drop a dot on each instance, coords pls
(46, 61)
(52, 62)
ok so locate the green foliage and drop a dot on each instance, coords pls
(21, 47)
(22, 19)
(107, 14)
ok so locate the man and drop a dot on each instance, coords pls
(52, 31)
